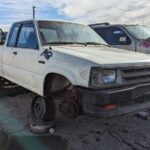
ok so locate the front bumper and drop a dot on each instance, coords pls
(128, 100)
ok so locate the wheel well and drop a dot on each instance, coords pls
(55, 83)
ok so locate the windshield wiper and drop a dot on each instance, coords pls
(95, 43)
(61, 42)
(85, 44)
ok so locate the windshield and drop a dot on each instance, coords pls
(53, 32)
(140, 32)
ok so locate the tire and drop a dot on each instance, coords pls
(42, 110)
(41, 128)
(11, 90)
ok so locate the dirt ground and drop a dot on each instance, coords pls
(82, 133)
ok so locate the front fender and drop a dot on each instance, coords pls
(61, 71)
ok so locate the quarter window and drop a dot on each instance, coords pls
(115, 36)
(27, 37)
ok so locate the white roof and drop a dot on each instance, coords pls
(55, 20)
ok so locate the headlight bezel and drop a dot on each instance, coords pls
(95, 71)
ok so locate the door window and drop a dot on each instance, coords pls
(115, 36)
(13, 35)
(27, 37)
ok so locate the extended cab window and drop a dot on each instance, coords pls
(27, 37)
(13, 35)
(115, 36)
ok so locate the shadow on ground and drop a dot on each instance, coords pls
(43, 142)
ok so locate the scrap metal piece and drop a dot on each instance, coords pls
(144, 115)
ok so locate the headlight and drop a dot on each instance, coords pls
(101, 77)
(109, 76)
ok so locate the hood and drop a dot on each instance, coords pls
(104, 55)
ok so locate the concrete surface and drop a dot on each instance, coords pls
(82, 133)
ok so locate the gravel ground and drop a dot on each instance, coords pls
(82, 133)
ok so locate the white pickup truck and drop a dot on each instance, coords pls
(69, 61)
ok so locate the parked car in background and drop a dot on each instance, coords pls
(130, 37)
(5, 33)
(2, 37)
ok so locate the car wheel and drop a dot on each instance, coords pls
(42, 110)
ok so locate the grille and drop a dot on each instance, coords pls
(135, 75)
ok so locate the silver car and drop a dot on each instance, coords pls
(129, 37)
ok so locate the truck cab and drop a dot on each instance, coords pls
(129, 37)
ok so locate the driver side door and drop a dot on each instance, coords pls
(20, 58)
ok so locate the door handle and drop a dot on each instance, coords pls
(15, 53)
(41, 62)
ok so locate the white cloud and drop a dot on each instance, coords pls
(114, 11)
(5, 27)
(86, 11)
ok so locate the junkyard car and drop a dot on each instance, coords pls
(130, 37)
(2, 36)
(70, 62)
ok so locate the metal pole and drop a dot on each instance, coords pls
(34, 12)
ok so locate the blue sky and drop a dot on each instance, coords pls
(85, 11)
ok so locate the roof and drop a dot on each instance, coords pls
(65, 21)
(110, 25)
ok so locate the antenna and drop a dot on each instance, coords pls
(125, 19)
(34, 12)
(144, 18)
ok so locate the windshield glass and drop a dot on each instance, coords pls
(71, 33)
(140, 32)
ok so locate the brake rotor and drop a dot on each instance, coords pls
(69, 109)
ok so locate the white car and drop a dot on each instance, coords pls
(69, 61)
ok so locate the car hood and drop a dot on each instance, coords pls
(104, 55)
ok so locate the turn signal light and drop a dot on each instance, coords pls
(110, 106)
